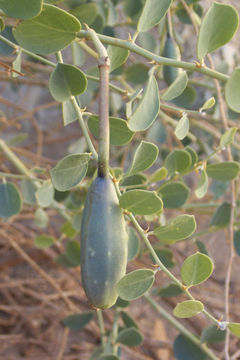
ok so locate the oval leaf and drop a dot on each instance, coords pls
(73, 252)
(153, 12)
(141, 202)
(135, 284)
(69, 171)
(78, 321)
(176, 88)
(202, 185)
(178, 161)
(117, 56)
(227, 137)
(23, 9)
(45, 194)
(234, 328)
(232, 91)
(130, 337)
(10, 200)
(224, 171)
(68, 112)
(44, 241)
(185, 349)
(65, 81)
(174, 194)
(182, 127)
(208, 104)
(217, 28)
(188, 308)
(196, 269)
(221, 217)
(144, 157)
(120, 134)
(147, 109)
(213, 335)
(48, 32)
(158, 175)
(133, 243)
(178, 229)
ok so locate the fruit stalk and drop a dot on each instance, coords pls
(103, 145)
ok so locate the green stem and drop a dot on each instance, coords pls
(103, 65)
(180, 327)
(17, 176)
(14, 159)
(101, 326)
(158, 59)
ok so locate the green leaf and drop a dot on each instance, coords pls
(217, 28)
(138, 179)
(208, 104)
(120, 134)
(10, 200)
(188, 308)
(158, 175)
(45, 194)
(68, 112)
(147, 108)
(176, 88)
(144, 157)
(73, 252)
(135, 284)
(170, 290)
(193, 154)
(187, 97)
(6, 49)
(180, 228)
(232, 91)
(48, 32)
(173, 194)
(202, 186)
(121, 303)
(17, 64)
(117, 56)
(78, 321)
(213, 335)
(221, 217)
(44, 241)
(141, 202)
(137, 73)
(224, 171)
(28, 191)
(24, 9)
(182, 127)
(237, 241)
(41, 218)
(165, 256)
(153, 12)
(108, 357)
(65, 81)
(185, 349)
(85, 13)
(68, 230)
(133, 243)
(178, 161)
(228, 137)
(171, 51)
(201, 247)
(234, 328)
(63, 261)
(128, 320)
(69, 171)
(196, 269)
(130, 337)
(147, 41)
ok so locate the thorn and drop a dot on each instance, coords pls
(184, 287)
(129, 37)
(200, 64)
(83, 109)
(154, 62)
(86, 26)
(146, 231)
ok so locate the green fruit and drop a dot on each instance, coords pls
(103, 244)
(171, 51)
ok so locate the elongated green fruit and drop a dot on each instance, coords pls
(171, 51)
(103, 244)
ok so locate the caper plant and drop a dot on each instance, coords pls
(161, 144)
